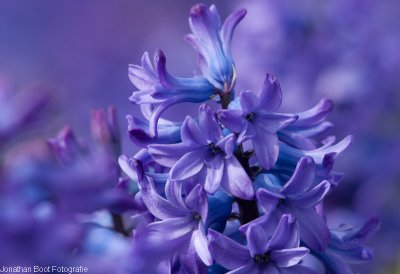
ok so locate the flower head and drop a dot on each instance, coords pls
(212, 41)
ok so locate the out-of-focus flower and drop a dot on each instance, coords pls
(105, 131)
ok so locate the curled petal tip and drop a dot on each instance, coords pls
(198, 10)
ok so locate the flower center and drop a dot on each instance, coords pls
(197, 217)
(261, 259)
(214, 149)
(249, 116)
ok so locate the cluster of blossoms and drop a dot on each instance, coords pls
(58, 203)
(237, 189)
(332, 54)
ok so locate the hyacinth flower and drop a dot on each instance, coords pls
(198, 177)
(156, 86)
(299, 196)
(212, 41)
(181, 222)
(207, 154)
(309, 125)
(257, 121)
(103, 190)
(270, 248)
(347, 247)
(323, 157)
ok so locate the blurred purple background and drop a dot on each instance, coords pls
(344, 50)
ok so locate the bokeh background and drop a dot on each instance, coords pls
(347, 50)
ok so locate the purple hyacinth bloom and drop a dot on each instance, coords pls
(156, 86)
(270, 249)
(347, 247)
(181, 222)
(299, 196)
(323, 157)
(257, 121)
(206, 154)
(310, 124)
(212, 41)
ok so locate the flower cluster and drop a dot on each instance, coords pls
(57, 207)
(240, 187)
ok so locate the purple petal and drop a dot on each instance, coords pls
(264, 221)
(318, 154)
(286, 234)
(173, 192)
(257, 239)
(157, 205)
(231, 118)
(174, 227)
(266, 148)
(158, 111)
(189, 165)
(314, 131)
(191, 132)
(248, 101)
(268, 199)
(201, 246)
(235, 180)
(174, 233)
(143, 77)
(123, 162)
(312, 197)
(271, 269)
(248, 132)
(166, 79)
(302, 178)
(227, 144)
(269, 95)
(365, 232)
(167, 154)
(289, 257)
(196, 200)
(215, 172)
(229, 26)
(226, 251)
(315, 115)
(272, 122)
(208, 124)
(313, 230)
